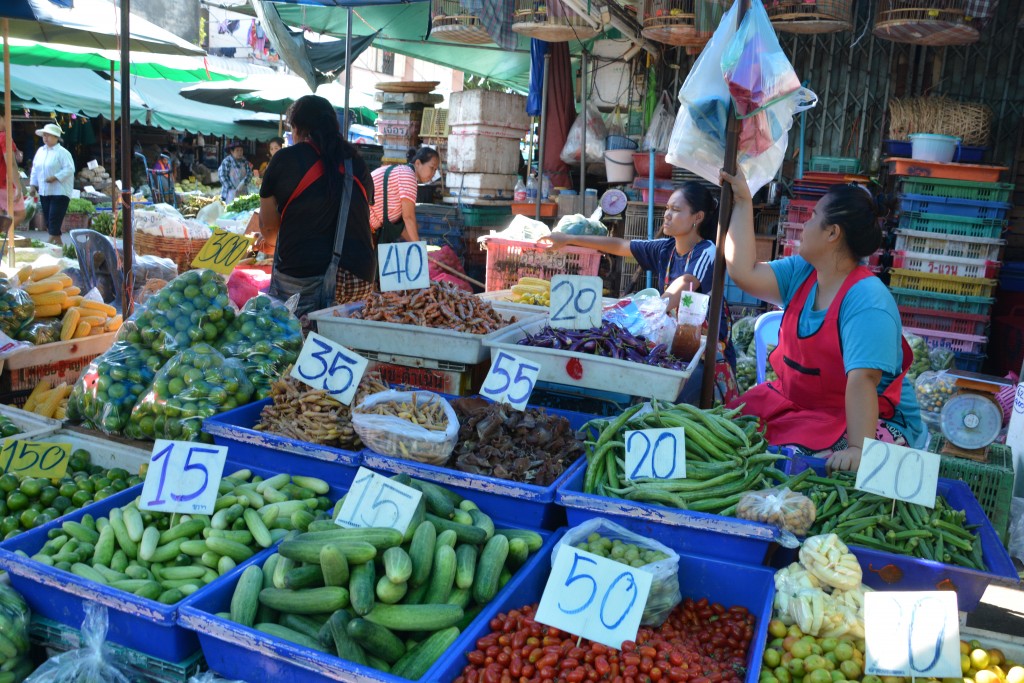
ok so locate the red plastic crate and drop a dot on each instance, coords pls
(792, 232)
(945, 265)
(509, 260)
(961, 343)
(790, 248)
(800, 210)
(945, 321)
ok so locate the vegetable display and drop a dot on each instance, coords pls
(529, 446)
(792, 512)
(266, 337)
(533, 291)
(428, 414)
(15, 660)
(726, 456)
(144, 553)
(48, 401)
(442, 305)
(247, 202)
(628, 554)
(378, 598)
(16, 308)
(7, 427)
(609, 340)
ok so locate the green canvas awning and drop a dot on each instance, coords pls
(71, 91)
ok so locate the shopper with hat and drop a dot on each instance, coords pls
(53, 173)
(235, 173)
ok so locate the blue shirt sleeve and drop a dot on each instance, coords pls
(790, 273)
(653, 255)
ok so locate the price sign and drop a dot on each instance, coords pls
(323, 364)
(898, 472)
(222, 251)
(656, 453)
(510, 380)
(374, 500)
(403, 265)
(594, 597)
(90, 189)
(92, 164)
(183, 476)
(915, 634)
(576, 302)
(35, 458)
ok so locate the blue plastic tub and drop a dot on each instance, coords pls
(249, 447)
(509, 500)
(236, 651)
(966, 208)
(137, 623)
(923, 575)
(964, 154)
(1011, 277)
(699, 577)
(692, 532)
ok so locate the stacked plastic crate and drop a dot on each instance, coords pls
(947, 258)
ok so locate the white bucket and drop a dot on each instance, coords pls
(618, 164)
(932, 147)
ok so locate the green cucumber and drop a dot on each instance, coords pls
(442, 577)
(309, 601)
(465, 565)
(465, 533)
(334, 566)
(488, 568)
(361, 587)
(421, 553)
(390, 593)
(376, 639)
(306, 576)
(397, 565)
(417, 661)
(346, 646)
(413, 618)
(245, 600)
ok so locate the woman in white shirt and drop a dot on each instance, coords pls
(53, 173)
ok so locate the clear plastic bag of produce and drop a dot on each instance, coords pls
(941, 358)
(645, 316)
(266, 337)
(793, 513)
(660, 131)
(193, 308)
(922, 356)
(106, 392)
(16, 308)
(400, 438)
(16, 615)
(195, 384)
(746, 371)
(661, 561)
(210, 677)
(1016, 543)
(743, 332)
(45, 331)
(596, 134)
(92, 663)
(933, 389)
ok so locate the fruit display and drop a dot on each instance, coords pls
(47, 400)
(165, 557)
(29, 502)
(922, 356)
(7, 427)
(195, 384)
(379, 598)
(266, 337)
(106, 391)
(52, 291)
(191, 184)
(15, 660)
(16, 308)
(532, 290)
(103, 220)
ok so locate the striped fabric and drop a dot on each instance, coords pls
(350, 288)
(401, 185)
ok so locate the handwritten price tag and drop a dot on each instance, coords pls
(183, 476)
(915, 634)
(403, 265)
(35, 458)
(510, 380)
(323, 364)
(898, 472)
(576, 302)
(92, 164)
(376, 501)
(222, 251)
(656, 453)
(590, 596)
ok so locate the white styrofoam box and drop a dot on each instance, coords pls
(488, 107)
(104, 453)
(31, 427)
(480, 154)
(481, 185)
(485, 130)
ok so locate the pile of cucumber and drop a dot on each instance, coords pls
(166, 557)
(378, 598)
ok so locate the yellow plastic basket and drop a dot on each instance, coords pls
(942, 284)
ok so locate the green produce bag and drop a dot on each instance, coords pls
(15, 615)
(106, 392)
(266, 337)
(16, 308)
(193, 385)
(38, 332)
(743, 332)
(922, 356)
(193, 308)
(746, 372)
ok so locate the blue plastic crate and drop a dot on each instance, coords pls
(504, 500)
(717, 580)
(695, 532)
(970, 362)
(735, 295)
(923, 575)
(247, 446)
(236, 651)
(1011, 277)
(137, 623)
(967, 208)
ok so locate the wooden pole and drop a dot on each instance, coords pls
(732, 136)
(113, 155)
(542, 133)
(126, 157)
(8, 143)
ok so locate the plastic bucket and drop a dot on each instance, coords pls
(619, 142)
(932, 147)
(618, 164)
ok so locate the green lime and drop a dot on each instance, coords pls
(81, 498)
(28, 518)
(61, 503)
(10, 523)
(48, 494)
(31, 486)
(17, 501)
(8, 483)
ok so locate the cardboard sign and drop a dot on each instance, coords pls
(576, 302)
(898, 472)
(511, 380)
(183, 477)
(656, 453)
(35, 458)
(326, 365)
(403, 265)
(912, 634)
(376, 501)
(222, 251)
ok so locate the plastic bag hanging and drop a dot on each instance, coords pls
(93, 662)
(596, 134)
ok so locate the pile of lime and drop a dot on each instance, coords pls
(7, 427)
(624, 553)
(266, 337)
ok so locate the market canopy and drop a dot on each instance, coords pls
(71, 91)
(275, 93)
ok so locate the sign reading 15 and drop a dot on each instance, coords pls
(183, 477)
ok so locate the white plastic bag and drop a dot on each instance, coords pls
(211, 212)
(596, 134)
(392, 436)
(92, 663)
(1016, 542)
(664, 594)
(659, 133)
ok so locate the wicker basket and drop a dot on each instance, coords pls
(452, 22)
(551, 22)
(181, 251)
(935, 23)
(940, 115)
(687, 23)
(820, 16)
(75, 221)
(394, 437)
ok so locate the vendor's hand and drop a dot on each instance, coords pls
(555, 240)
(51, 179)
(740, 189)
(846, 460)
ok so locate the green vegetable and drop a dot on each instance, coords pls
(267, 338)
(248, 202)
(16, 308)
(81, 206)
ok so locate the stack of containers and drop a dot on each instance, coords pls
(947, 255)
(483, 146)
(398, 126)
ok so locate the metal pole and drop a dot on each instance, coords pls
(732, 136)
(543, 131)
(650, 205)
(348, 70)
(126, 156)
(113, 155)
(8, 143)
(583, 137)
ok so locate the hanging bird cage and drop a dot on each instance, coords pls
(811, 16)
(935, 23)
(551, 21)
(688, 23)
(452, 22)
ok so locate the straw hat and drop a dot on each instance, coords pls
(50, 129)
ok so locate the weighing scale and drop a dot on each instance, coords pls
(971, 420)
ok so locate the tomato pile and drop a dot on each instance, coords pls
(701, 642)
